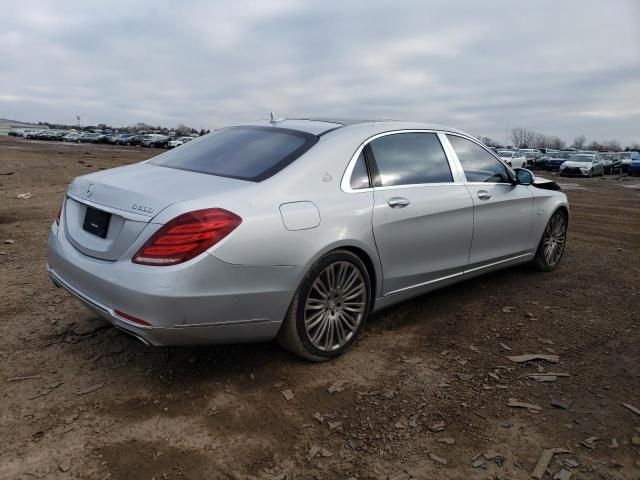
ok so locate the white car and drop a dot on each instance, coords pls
(179, 141)
(31, 133)
(583, 165)
(513, 159)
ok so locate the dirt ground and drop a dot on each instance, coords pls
(423, 394)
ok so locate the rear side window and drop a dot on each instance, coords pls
(246, 153)
(360, 175)
(478, 164)
(410, 158)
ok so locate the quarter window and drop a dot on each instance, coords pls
(478, 164)
(410, 158)
(360, 176)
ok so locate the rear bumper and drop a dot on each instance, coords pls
(203, 301)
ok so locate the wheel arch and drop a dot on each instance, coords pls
(371, 270)
(565, 210)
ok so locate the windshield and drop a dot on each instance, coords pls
(625, 155)
(582, 158)
(505, 153)
(607, 156)
(246, 153)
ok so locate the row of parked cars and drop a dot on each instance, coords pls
(145, 140)
(587, 163)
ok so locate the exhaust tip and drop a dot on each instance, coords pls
(136, 337)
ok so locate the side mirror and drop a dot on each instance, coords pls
(524, 176)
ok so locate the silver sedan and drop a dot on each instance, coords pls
(296, 230)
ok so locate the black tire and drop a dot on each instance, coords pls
(541, 262)
(293, 335)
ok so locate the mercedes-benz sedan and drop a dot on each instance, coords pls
(296, 230)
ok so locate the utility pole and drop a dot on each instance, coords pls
(78, 119)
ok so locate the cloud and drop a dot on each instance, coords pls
(562, 68)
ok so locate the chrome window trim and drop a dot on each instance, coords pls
(345, 183)
(457, 160)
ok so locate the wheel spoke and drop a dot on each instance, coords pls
(314, 304)
(331, 276)
(320, 331)
(320, 287)
(340, 331)
(350, 322)
(314, 320)
(328, 341)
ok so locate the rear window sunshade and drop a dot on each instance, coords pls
(247, 153)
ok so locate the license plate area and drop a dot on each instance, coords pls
(96, 222)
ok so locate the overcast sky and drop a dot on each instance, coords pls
(559, 67)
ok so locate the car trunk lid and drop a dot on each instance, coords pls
(106, 211)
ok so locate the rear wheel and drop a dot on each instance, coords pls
(551, 246)
(329, 308)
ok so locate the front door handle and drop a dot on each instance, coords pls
(484, 195)
(398, 202)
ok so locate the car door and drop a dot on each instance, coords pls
(503, 211)
(423, 214)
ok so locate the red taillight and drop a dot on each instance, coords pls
(187, 236)
(132, 318)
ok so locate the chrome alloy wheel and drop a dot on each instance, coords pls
(335, 306)
(554, 239)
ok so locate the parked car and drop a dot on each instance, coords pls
(625, 160)
(531, 154)
(634, 167)
(557, 159)
(133, 140)
(607, 158)
(71, 137)
(178, 141)
(178, 249)
(154, 140)
(583, 165)
(31, 133)
(513, 158)
(90, 137)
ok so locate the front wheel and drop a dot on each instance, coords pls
(329, 308)
(551, 246)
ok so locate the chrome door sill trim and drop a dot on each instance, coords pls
(458, 274)
(499, 262)
(424, 283)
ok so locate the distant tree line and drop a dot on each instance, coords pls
(525, 138)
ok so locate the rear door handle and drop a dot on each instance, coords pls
(398, 202)
(484, 195)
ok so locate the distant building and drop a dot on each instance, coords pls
(7, 125)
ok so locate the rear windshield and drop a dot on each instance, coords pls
(246, 153)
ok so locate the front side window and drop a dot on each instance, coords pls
(360, 176)
(246, 153)
(478, 164)
(410, 159)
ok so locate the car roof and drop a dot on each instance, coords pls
(321, 126)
